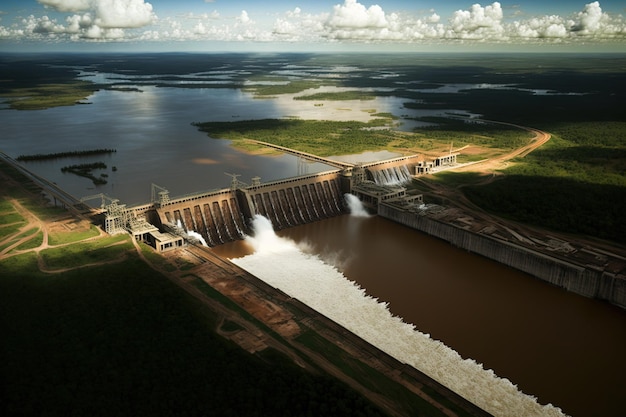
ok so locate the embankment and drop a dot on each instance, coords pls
(584, 279)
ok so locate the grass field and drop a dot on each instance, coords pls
(58, 237)
(326, 138)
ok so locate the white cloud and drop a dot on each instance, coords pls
(123, 13)
(285, 27)
(590, 19)
(295, 13)
(434, 18)
(541, 27)
(96, 32)
(353, 15)
(244, 18)
(67, 5)
(589, 24)
(200, 29)
(77, 23)
(350, 20)
(298, 26)
(477, 23)
(102, 19)
(46, 25)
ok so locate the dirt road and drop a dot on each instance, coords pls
(500, 162)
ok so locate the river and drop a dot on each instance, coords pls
(560, 347)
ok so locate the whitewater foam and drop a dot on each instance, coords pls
(282, 264)
(355, 206)
(196, 235)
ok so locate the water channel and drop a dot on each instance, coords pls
(560, 347)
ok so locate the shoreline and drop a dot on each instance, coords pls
(576, 266)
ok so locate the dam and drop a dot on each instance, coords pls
(221, 216)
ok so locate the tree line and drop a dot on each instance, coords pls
(69, 154)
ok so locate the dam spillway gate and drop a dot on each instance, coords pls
(224, 215)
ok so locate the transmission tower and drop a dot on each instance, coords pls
(235, 183)
(160, 195)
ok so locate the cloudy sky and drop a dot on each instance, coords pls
(315, 25)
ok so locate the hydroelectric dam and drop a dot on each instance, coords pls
(224, 215)
(217, 217)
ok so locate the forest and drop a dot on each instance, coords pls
(121, 331)
(576, 183)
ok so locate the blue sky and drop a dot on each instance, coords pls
(333, 25)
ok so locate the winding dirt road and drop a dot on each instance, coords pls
(500, 162)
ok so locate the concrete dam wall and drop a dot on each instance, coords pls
(296, 201)
(580, 279)
(216, 216)
(223, 216)
(393, 171)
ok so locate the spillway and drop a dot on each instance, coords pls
(223, 216)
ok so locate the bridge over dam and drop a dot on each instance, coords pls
(223, 215)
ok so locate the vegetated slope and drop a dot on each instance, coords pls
(30, 84)
(319, 137)
(576, 183)
(120, 339)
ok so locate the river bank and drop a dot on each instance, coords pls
(588, 271)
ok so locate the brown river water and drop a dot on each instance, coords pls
(560, 347)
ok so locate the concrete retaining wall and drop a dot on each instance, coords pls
(579, 279)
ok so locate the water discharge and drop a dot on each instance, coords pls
(198, 236)
(392, 176)
(356, 206)
(191, 233)
(283, 264)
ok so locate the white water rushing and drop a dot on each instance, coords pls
(355, 206)
(191, 233)
(198, 236)
(282, 264)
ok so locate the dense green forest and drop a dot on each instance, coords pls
(576, 183)
(120, 339)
